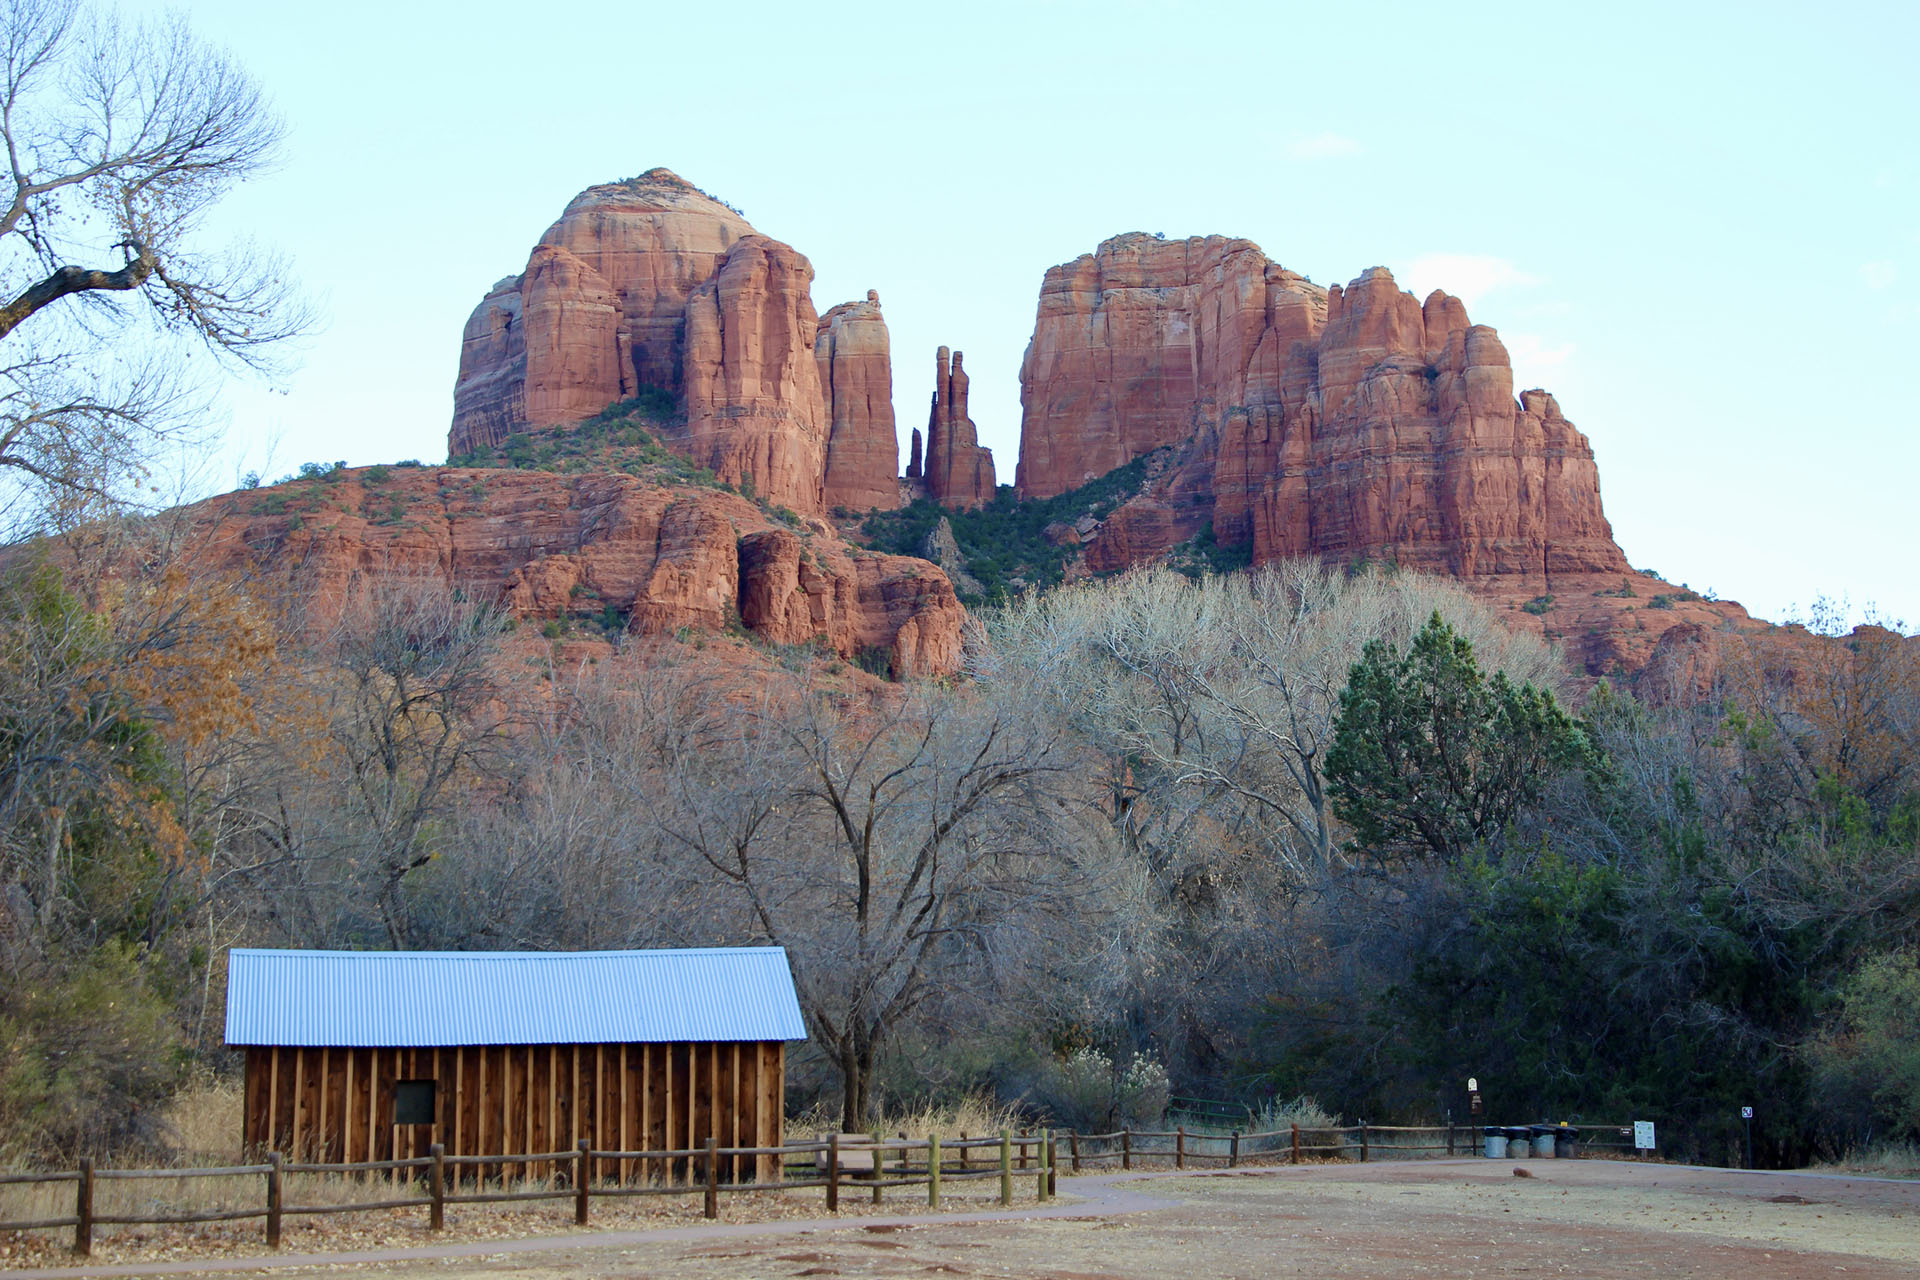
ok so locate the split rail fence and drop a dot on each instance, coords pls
(837, 1165)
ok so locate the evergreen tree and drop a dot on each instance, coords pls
(1432, 758)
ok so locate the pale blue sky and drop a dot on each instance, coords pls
(1695, 224)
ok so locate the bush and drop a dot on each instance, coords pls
(1868, 1065)
(1086, 1091)
(87, 1055)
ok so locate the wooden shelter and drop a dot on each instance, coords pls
(355, 1056)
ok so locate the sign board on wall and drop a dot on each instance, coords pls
(1643, 1135)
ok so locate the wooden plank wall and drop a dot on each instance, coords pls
(337, 1104)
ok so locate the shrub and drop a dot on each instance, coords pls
(1869, 1063)
(1088, 1092)
(1538, 605)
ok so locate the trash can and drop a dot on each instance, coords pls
(1496, 1139)
(1519, 1142)
(1543, 1135)
(1564, 1138)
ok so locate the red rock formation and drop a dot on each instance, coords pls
(1352, 422)
(571, 334)
(856, 376)
(913, 462)
(652, 240)
(755, 413)
(958, 471)
(548, 546)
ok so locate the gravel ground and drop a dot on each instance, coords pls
(1387, 1221)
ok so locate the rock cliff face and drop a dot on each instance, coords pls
(958, 471)
(1348, 422)
(657, 558)
(649, 241)
(650, 284)
(855, 359)
(755, 413)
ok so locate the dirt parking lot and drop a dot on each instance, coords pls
(1434, 1218)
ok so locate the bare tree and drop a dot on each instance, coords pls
(413, 714)
(119, 140)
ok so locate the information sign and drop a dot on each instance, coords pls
(1746, 1113)
(1643, 1135)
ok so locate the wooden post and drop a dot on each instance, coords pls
(1363, 1142)
(1006, 1167)
(1233, 1151)
(933, 1170)
(879, 1165)
(1053, 1166)
(1180, 1146)
(833, 1173)
(582, 1181)
(1296, 1145)
(83, 1210)
(1073, 1148)
(1449, 1136)
(1040, 1163)
(713, 1178)
(274, 1199)
(1023, 1150)
(437, 1188)
(1126, 1148)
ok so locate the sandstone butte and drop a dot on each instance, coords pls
(669, 560)
(651, 284)
(1355, 423)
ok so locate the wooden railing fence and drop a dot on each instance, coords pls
(884, 1163)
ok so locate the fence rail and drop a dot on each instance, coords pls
(886, 1163)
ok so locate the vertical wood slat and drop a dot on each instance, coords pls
(326, 1083)
(625, 1167)
(346, 1111)
(527, 1147)
(273, 1097)
(668, 1142)
(373, 1099)
(459, 1109)
(733, 1110)
(480, 1114)
(646, 1103)
(299, 1102)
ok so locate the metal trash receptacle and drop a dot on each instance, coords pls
(1565, 1141)
(1496, 1142)
(1543, 1141)
(1519, 1142)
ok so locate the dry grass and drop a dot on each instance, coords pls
(976, 1115)
(1881, 1159)
(203, 1126)
(203, 1121)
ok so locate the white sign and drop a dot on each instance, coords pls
(1643, 1135)
(1746, 1113)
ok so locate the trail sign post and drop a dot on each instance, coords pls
(1746, 1119)
(1643, 1135)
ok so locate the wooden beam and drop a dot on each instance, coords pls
(733, 1110)
(646, 1101)
(326, 1082)
(459, 1105)
(299, 1101)
(373, 1099)
(273, 1098)
(624, 1166)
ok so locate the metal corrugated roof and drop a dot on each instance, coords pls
(403, 999)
